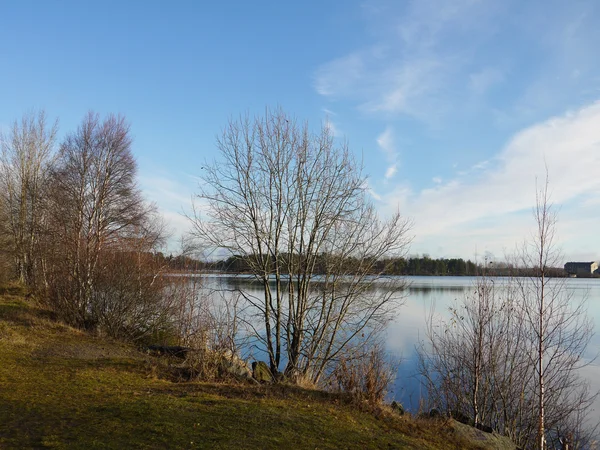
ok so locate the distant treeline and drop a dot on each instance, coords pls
(392, 266)
(411, 266)
(182, 263)
(427, 266)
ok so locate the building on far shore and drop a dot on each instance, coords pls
(582, 268)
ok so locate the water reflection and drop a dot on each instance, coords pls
(420, 296)
(439, 293)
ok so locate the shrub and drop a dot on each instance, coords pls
(365, 375)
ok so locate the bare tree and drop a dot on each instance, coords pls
(128, 300)
(475, 364)
(508, 356)
(25, 163)
(294, 205)
(96, 206)
(76, 226)
(557, 324)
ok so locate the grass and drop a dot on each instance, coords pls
(61, 388)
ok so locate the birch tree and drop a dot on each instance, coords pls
(294, 205)
(95, 202)
(475, 364)
(510, 353)
(557, 326)
(27, 153)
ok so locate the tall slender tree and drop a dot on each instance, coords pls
(95, 203)
(27, 154)
(510, 354)
(557, 324)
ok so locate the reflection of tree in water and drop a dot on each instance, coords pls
(249, 282)
(429, 289)
(404, 332)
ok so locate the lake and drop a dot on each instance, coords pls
(409, 324)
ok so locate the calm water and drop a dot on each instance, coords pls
(408, 328)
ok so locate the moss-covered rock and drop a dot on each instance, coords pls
(397, 408)
(261, 372)
(477, 437)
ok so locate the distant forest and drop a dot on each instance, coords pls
(416, 265)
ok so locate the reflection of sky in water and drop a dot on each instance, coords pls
(409, 327)
(439, 292)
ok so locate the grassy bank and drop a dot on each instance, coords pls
(61, 388)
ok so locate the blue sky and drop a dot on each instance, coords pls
(454, 106)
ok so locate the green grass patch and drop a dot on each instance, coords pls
(61, 388)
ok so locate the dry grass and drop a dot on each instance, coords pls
(61, 388)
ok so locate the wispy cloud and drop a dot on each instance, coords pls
(369, 78)
(330, 124)
(387, 143)
(427, 57)
(493, 203)
(165, 189)
(329, 83)
(409, 66)
(332, 127)
(374, 194)
(391, 171)
(173, 198)
(367, 186)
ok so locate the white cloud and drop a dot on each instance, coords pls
(173, 198)
(387, 143)
(427, 58)
(407, 88)
(492, 205)
(374, 194)
(408, 68)
(332, 127)
(474, 169)
(371, 191)
(164, 189)
(178, 226)
(330, 124)
(391, 171)
(328, 81)
(381, 83)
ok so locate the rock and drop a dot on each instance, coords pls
(261, 372)
(461, 417)
(484, 428)
(482, 439)
(398, 408)
(234, 365)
